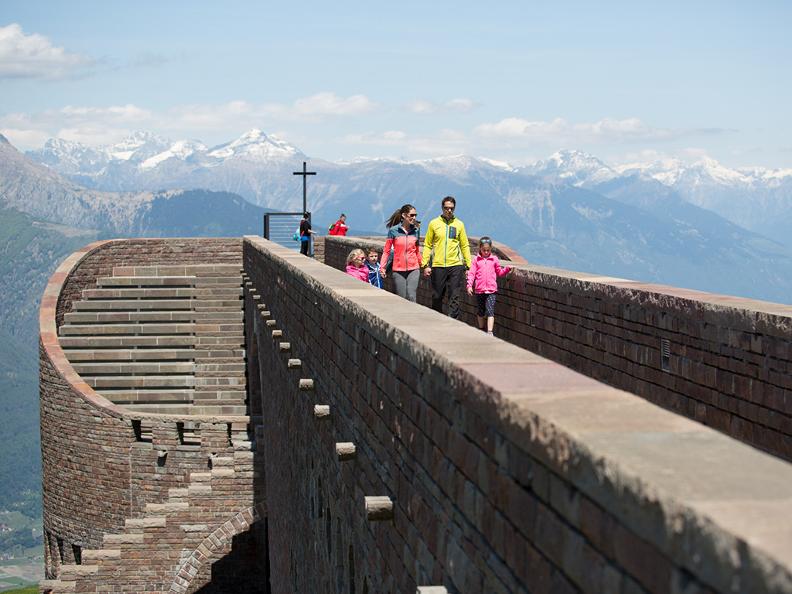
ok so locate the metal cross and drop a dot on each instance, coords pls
(304, 173)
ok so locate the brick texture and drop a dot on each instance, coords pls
(730, 359)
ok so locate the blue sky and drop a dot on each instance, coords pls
(511, 81)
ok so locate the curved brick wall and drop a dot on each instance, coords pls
(730, 359)
(508, 472)
(96, 473)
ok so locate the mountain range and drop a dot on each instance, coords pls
(699, 225)
(43, 192)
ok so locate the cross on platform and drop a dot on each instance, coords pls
(305, 173)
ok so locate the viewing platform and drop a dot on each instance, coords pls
(615, 436)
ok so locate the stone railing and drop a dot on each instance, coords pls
(412, 450)
(102, 463)
(723, 361)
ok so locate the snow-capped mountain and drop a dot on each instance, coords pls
(661, 221)
(39, 191)
(254, 145)
(572, 167)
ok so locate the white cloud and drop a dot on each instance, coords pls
(390, 137)
(99, 125)
(323, 104)
(445, 142)
(559, 130)
(34, 56)
(421, 106)
(24, 139)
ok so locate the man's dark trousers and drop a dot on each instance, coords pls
(449, 279)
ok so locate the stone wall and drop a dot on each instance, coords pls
(101, 463)
(728, 364)
(507, 472)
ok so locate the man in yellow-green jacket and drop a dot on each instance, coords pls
(447, 245)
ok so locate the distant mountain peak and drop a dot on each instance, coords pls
(573, 166)
(255, 145)
(4, 140)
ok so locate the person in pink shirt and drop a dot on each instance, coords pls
(482, 279)
(356, 265)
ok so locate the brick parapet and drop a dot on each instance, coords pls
(97, 471)
(508, 472)
(730, 359)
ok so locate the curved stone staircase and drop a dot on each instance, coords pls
(165, 339)
(142, 558)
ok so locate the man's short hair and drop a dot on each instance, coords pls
(450, 199)
(342, 215)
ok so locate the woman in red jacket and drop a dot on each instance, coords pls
(402, 251)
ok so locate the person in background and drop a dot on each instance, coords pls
(374, 269)
(339, 227)
(355, 265)
(483, 280)
(305, 234)
(402, 251)
(447, 245)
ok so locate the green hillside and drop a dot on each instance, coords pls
(30, 251)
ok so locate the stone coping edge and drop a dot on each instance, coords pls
(48, 335)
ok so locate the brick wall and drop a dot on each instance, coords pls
(96, 471)
(729, 363)
(508, 472)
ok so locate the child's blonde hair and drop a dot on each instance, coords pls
(354, 254)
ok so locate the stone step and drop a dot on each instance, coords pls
(57, 586)
(73, 571)
(214, 367)
(166, 409)
(209, 292)
(139, 293)
(207, 352)
(150, 396)
(212, 396)
(141, 381)
(179, 270)
(110, 317)
(136, 304)
(237, 410)
(218, 281)
(238, 382)
(151, 367)
(177, 493)
(145, 281)
(171, 506)
(100, 554)
(217, 304)
(153, 354)
(235, 315)
(97, 342)
(148, 521)
(126, 329)
(233, 340)
(122, 538)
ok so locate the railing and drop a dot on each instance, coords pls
(281, 227)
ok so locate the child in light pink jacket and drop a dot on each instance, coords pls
(355, 265)
(483, 279)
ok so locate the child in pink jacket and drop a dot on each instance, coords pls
(355, 265)
(483, 278)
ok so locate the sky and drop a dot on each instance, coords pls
(511, 81)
